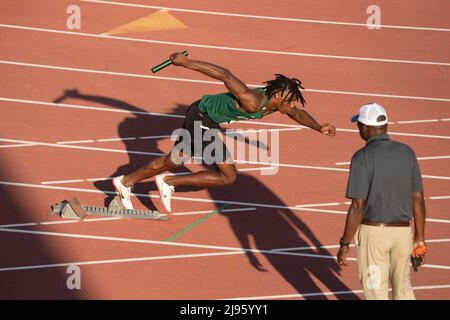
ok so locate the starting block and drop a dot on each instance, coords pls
(73, 209)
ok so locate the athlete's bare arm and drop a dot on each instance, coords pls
(304, 118)
(249, 100)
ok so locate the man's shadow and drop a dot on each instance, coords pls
(137, 124)
(280, 228)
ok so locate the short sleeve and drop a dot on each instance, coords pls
(417, 185)
(358, 184)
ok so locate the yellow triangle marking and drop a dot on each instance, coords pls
(161, 20)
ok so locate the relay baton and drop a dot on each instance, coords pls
(166, 63)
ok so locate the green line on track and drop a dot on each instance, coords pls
(195, 223)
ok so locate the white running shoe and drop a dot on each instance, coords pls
(165, 190)
(124, 192)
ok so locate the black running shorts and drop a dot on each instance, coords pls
(205, 134)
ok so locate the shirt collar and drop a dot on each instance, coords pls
(382, 136)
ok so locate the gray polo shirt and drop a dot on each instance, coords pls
(385, 173)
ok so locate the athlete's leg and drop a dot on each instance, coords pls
(225, 175)
(155, 166)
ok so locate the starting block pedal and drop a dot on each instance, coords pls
(73, 209)
(116, 204)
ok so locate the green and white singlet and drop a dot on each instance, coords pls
(224, 107)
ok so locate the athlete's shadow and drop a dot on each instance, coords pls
(280, 228)
(138, 124)
(269, 228)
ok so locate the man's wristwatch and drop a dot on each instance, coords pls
(343, 244)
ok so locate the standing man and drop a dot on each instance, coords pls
(239, 103)
(385, 186)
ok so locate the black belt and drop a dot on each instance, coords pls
(386, 224)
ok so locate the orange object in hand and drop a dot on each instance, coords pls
(420, 251)
(417, 257)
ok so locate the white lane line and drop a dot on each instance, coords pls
(32, 224)
(418, 121)
(75, 142)
(116, 139)
(438, 240)
(237, 49)
(229, 131)
(112, 140)
(437, 220)
(251, 204)
(109, 178)
(76, 180)
(245, 131)
(99, 179)
(433, 158)
(158, 258)
(96, 262)
(298, 295)
(84, 148)
(233, 249)
(329, 293)
(190, 213)
(309, 248)
(17, 145)
(318, 204)
(322, 168)
(256, 169)
(166, 243)
(401, 134)
(207, 211)
(330, 204)
(238, 203)
(436, 266)
(100, 219)
(238, 210)
(162, 154)
(29, 224)
(337, 246)
(241, 15)
(62, 105)
(419, 158)
(282, 165)
(44, 223)
(439, 197)
(435, 177)
(62, 181)
(397, 122)
(135, 75)
(90, 108)
(155, 137)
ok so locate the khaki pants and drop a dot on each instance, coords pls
(384, 254)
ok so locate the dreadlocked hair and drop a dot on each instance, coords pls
(282, 83)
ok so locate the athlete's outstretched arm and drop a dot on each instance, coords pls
(304, 118)
(247, 98)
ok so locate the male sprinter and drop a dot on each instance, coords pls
(240, 103)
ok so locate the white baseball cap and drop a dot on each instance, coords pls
(369, 113)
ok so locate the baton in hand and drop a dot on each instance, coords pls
(166, 63)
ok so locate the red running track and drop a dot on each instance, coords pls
(342, 66)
